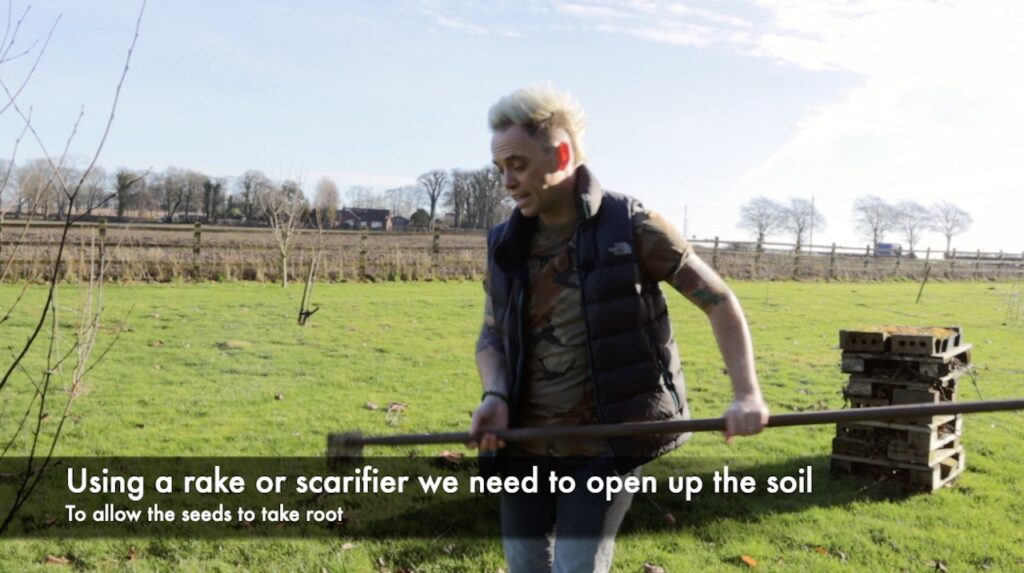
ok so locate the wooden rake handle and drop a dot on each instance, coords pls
(342, 442)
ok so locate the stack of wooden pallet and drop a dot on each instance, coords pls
(902, 365)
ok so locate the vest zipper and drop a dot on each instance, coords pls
(520, 339)
(582, 276)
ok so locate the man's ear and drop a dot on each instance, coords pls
(564, 154)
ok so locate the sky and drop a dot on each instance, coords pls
(694, 107)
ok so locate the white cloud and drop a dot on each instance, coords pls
(937, 106)
(941, 107)
(461, 25)
(937, 110)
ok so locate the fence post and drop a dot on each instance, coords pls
(757, 257)
(2, 234)
(435, 256)
(103, 242)
(832, 263)
(977, 261)
(197, 241)
(362, 256)
(899, 256)
(952, 262)
(714, 255)
(796, 261)
(867, 256)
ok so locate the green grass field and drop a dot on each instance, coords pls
(223, 370)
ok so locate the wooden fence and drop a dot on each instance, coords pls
(772, 261)
(158, 252)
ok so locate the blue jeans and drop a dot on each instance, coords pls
(564, 532)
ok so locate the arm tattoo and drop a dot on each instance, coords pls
(489, 335)
(488, 339)
(695, 288)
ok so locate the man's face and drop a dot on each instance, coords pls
(530, 171)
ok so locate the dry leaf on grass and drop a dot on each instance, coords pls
(132, 554)
(279, 396)
(347, 546)
(449, 459)
(748, 561)
(233, 345)
(652, 568)
(821, 550)
(55, 560)
(397, 407)
(370, 406)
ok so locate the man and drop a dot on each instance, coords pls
(576, 331)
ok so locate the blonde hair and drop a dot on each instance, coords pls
(541, 110)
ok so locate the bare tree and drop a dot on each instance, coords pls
(33, 184)
(250, 185)
(799, 217)
(38, 186)
(486, 194)
(949, 220)
(63, 371)
(761, 216)
(6, 182)
(404, 200)
(169, 189)
(458, 195)
(95, 191)
(326, 202)
(192, 191)
(434, 183)
(912, 220)
(284, 207)
(363, 197)
(873, 217)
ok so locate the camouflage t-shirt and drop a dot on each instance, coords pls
(557, 389)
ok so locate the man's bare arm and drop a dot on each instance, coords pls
(492, 412)
(490, 357)
(702, 286)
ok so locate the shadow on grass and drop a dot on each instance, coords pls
(826, 490)
(462, 524)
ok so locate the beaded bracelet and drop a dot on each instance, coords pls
(503, 396)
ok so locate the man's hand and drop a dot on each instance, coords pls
(491, 414)
(746, 416)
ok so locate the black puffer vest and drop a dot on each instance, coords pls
(634, 362)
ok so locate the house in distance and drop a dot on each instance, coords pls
(371, 219)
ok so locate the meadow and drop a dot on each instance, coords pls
(222, 369)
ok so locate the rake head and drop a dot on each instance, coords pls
(344, 448)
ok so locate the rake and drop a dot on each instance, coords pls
(349, 445)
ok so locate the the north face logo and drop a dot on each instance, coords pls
(620, 249)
